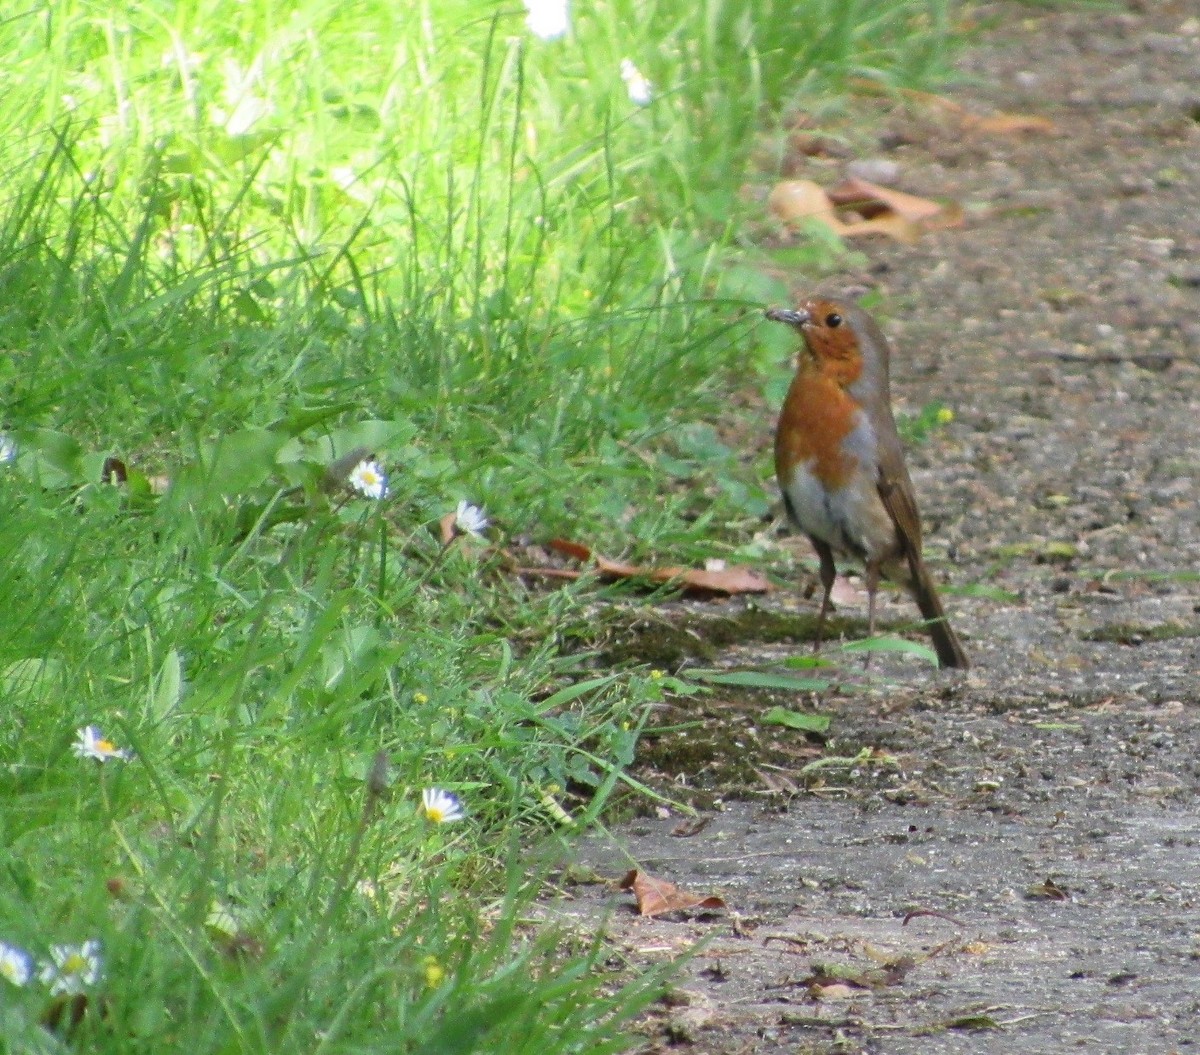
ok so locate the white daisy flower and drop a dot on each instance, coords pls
(640, 90)
(75, 967)
(369, 479)
(90, 743)
(8, 448)
(547, 19)
(16, 965)
(441, 806)
(469, 519)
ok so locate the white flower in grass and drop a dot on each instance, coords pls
(247, 108)
(90, 743)
(640, 89)
(16, 965)
(441, 806)
(547, 19)
(75, 967)
(8, 448)
(469, 519)
(369, 479)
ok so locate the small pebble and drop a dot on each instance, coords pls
(874, 170)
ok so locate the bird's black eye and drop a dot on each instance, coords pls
(833, 319)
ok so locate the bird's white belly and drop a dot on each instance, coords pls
(850, 520)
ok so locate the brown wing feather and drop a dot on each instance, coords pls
(896, 494)
(894, 484)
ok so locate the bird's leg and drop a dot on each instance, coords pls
(828, 573)
(872, 581)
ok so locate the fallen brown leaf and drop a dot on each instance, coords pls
(1047, 891)
(1008, 124)
(801, 199)
(890, 225)
(833, 991)
(778, 783)
(730, 580)
(687, 829)
(930, 912)
(894, 213)
(876, 209)
(1001, 123)
(656, 896)
(870, 199)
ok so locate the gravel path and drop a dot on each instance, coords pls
(1044, 804)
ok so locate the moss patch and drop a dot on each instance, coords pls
(666, 638)
(711, 748)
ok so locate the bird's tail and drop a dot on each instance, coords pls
(945, 641)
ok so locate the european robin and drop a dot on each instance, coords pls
(841, 467)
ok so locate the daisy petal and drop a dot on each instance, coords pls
(441, 806)
(73, 968)
(16, 965)
(469, 519)
(547, 19)
(90, 743)
(369, 480)
(639, 89)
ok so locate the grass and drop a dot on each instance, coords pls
(239, 243)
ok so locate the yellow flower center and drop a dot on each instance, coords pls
(435, 813)
(107, 746)
(76, 963)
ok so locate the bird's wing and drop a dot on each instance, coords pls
(896, 492)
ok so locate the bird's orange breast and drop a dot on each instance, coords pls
(817, 417)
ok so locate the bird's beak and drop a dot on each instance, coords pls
(794, 318)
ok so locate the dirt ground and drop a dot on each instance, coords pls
(1014, 865)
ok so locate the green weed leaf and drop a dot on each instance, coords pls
(755, 679)
(893, 644)
(802, 720)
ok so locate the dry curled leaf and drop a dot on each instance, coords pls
(902, 216)
(1009, 124)
(797, 200)
(728, 581)
(870, 199)
(656, 896)
(908, 916)
(1001, 123)
(687, 829)
(1047, 891)
(870, 209)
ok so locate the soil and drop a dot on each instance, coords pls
(1006, 860)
